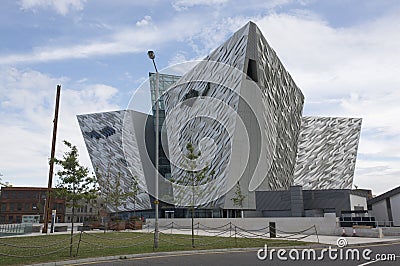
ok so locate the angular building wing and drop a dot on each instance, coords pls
(103, 135)
(327, 152)
(246, 104)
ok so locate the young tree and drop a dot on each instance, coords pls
(194, 178)
(5, 184)
(74, 184)
(135, 189)
(239, 198)
(112, 191)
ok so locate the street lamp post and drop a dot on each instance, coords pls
(152, 56)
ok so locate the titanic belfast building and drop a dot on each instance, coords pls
(242, 110)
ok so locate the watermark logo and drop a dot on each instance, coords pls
(341, 242)
(331, 253)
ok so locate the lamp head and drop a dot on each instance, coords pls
(151, 55)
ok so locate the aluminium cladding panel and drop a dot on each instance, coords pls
(103, 134)
(196, 121)
(285, 102)
(327, 152)
(281, 99)
(217, 81)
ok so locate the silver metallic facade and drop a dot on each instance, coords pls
(262, 94)
(327, 152)
(243, 111)
(103, 135)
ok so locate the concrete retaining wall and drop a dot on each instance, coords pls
(391, 231)
(362, 232)
(370, 232)
(325, 225)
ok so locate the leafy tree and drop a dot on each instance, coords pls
(114, 193)
(74, 184)
(194, 178)
(239, 198)
(5, 184)
(135, 189)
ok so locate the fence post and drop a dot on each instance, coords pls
(272, 230)
(235, 237)
(230, 229)
(198, 225)
(77, 248)
(316, 232)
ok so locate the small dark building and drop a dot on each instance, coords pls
(18, 201)
(297, 202)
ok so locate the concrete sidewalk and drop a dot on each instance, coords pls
(311, 237)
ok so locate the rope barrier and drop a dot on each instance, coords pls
(34, 247)
(35, 255)
(252, 235)
(223, 232)
(267, 227)
(214, 227)
(298, 232)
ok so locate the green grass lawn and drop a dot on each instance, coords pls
(47, 248)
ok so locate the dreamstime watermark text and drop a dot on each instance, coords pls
(330, 253)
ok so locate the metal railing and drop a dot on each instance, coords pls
(15, 229)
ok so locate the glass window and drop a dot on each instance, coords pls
(10, 219)
(11, 206)
(3, 207)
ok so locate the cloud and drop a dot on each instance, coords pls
(62, 7)
(355, 68)
(123, 40)
(379, 175)
(178, 58)
(27, 98)
(180, 5)
(144, 22)
(351, 72)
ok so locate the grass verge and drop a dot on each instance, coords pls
(47, 248)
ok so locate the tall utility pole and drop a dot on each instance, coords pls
(152, 56)
(53, 148)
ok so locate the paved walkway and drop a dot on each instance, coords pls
(312, 237)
